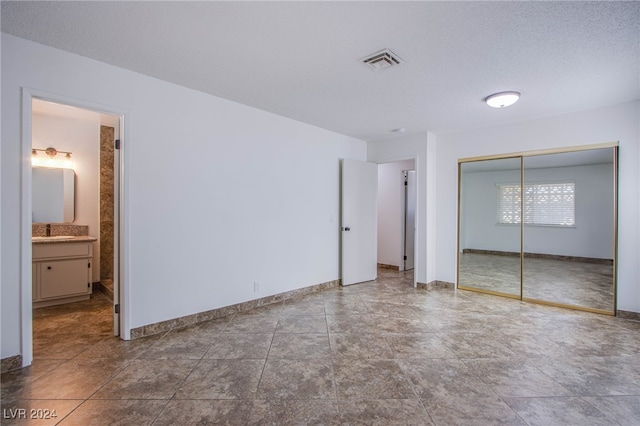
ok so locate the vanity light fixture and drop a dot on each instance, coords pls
(502, 99)
(51, 159)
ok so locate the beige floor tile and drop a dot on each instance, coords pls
(623, 409)
(384, 412)
(237, 346)
(205, 412)
(472, 411)
(147, 379)
(300, 346)
(222, 379)
(358, 379)
(302, 324)
(41, 412)
(297, 379)
(558, 411)
(380, 352)
(111, 412)
(295, 412)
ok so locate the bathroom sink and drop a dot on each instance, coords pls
(53, 237)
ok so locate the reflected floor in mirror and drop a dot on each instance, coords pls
(378, 353)
(568, 282)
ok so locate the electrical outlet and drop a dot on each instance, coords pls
(256, 286)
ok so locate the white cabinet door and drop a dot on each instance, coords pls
(64, 278)
(359, 221)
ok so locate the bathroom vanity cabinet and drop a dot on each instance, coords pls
(61, 271)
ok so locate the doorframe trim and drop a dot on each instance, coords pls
(26, 308)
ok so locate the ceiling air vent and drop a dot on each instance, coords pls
(382, 60)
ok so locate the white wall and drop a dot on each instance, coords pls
(81, 137)
(420, 147)
(617, 123)
(391, 212)
(592, 236)
(217, 194)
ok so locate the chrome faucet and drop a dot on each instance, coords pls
(48, 230)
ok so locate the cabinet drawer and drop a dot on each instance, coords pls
(43, 251)
(64, 278)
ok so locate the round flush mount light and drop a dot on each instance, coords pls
(502, 99)
(398, 130)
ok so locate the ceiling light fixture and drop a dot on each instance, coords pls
(398, 130)
(502, 99)
(50, 160)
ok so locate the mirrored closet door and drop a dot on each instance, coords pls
(489, 255)
(541, 227)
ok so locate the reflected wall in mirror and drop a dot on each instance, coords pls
(489, 246)
(53, 195)
(569, 230)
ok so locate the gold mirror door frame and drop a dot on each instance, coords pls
(562, 261)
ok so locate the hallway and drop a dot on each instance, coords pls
(373, 353)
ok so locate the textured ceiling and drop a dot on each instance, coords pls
(300, 59)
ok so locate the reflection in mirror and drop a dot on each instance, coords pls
(569, 231)
(53, 195)
(489, 230)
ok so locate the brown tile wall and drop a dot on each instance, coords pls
(106, 202)
(40, 229)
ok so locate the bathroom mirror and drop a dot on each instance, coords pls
(53, 193)
(541, 226)
(489, 246)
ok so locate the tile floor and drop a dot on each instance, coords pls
(376, 353)
(568, 282)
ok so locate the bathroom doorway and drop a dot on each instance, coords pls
(91, 135)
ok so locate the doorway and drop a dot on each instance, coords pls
(83, 131)
(396, 215)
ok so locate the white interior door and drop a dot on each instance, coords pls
(410, 220)
(359, 221)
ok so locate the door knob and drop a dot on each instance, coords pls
(346, 228)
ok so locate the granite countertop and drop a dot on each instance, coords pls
(57, 239)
